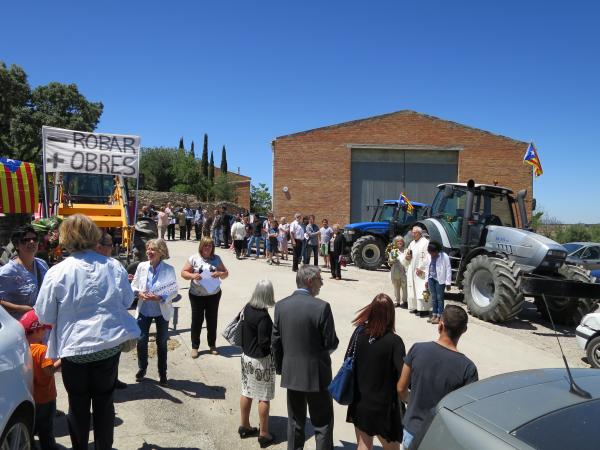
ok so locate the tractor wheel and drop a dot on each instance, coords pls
(492, 288)
(368, 252)
(568, 310)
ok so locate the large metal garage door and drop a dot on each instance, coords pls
(381, 174)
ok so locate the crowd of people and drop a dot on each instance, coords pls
(83, 301)
(252, 234)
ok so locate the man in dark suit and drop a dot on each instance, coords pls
(303, 337)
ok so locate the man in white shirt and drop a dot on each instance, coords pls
(297, 237)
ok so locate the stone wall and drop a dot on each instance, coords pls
(159, 199)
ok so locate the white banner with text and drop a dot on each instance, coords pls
(96, 153)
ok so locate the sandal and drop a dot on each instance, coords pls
(247, 432)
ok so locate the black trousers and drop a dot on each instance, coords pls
(182, 231)
(314, 249)
(226, 237)
(204, 306)
(91, 385)
(297, 255)
(238, 245)
(171, 231)
(320, 406)
(188, 226)
(44, 424)
(336, 269)
(198, 231)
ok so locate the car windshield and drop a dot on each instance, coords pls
(572, 248)
(572, 427)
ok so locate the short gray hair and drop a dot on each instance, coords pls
(160, 246)
(305, 274)
(263, 296)
(418, 229)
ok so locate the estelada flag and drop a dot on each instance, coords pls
(404, 200)
(532, 158)
(19, 191)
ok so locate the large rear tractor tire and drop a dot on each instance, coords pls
(492, 289)
(568, 310)
(368, 252)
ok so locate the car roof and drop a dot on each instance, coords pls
(412, 203)
(481, 187)
(511, 400)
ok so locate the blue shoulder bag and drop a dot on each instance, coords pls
(342, 386)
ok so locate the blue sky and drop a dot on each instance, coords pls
(246, 72)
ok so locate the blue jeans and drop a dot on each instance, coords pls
(217, 236)
(257, 240)
(407, 439)
(437, 296)
(162, 336)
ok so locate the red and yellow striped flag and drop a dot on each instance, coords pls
(19, 191)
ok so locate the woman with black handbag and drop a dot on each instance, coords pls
(378, 358)
(258, 368)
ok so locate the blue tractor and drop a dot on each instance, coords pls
(366, 242)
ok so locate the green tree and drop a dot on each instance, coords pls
(55, 104)
(204, 161)
(211, 169)
(14, 93)
(192, 152)
(574, 233)
(223, 190)
(181, 146)
(260, 199)
(223, 161)
(157, 168)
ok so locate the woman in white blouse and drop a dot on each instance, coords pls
(85, 299)
(156, 285)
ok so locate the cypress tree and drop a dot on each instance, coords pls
(192, 153)
(181, 147)
(224, 161)
(204, 162)
(211, 169)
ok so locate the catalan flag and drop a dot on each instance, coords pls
(403, 200)
(531, 157)
(19, 191)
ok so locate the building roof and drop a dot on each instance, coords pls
(396, 113)
(233, 176)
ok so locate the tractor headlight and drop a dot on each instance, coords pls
(349, 232)
(557, 254)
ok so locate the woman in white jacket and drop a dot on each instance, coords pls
(156, 284)
(439, 279)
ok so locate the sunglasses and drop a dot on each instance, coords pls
(26, 240)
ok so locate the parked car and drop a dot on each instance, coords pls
(588, 338)
(586, 254)
(525, 410)
(17, 409)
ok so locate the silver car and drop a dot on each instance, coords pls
(525, 410)
(17, 408)
(586, 254)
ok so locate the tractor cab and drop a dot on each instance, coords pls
(492, 205)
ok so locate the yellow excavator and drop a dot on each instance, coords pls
(103, 198)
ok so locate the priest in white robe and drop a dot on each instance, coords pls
(416, 260)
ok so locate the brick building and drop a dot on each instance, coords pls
(336, 171)
(242, 187)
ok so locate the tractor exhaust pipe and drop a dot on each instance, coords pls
(467, 216)
(522, 210)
